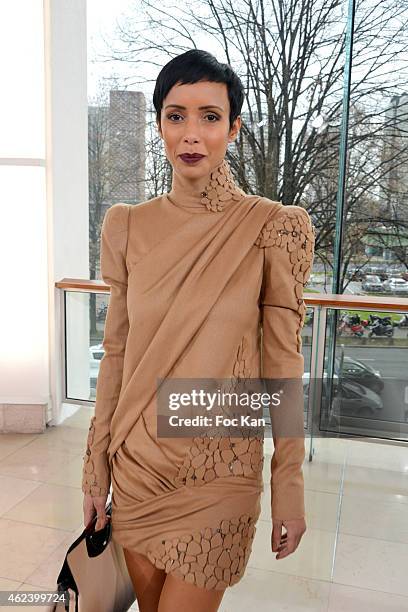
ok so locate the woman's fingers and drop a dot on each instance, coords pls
(89, 510)
(286, 543)
(99, 503)
(95, 506)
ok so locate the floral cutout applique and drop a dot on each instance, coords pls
(211, 558)
(221, 188)
(297, 234)
(89, 475)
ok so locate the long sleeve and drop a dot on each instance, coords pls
(288, 240)
(96, 478)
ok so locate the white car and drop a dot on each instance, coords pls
(316, 279)
(396, 285)
(96, 352)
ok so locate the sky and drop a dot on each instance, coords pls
(102, 16)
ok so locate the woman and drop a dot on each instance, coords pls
(195, 275)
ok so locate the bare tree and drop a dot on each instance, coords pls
(98, 185)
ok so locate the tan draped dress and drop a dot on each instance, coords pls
(206, 284)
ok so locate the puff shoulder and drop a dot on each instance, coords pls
(116, 218)
(291, 227)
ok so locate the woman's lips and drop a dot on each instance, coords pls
(191, 160)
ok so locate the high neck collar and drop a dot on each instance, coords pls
(220, 192)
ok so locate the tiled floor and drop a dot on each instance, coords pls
(353, 556)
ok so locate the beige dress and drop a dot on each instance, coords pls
(206, 284)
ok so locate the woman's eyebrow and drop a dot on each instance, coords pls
(199, 108)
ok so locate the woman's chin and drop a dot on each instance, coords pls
(201, 168)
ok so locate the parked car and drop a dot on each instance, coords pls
(381, 271)
(394, 269)
(351, 270)
(96, 352)
(316, 279)
(355, 272)
(374, 269)
(358, 371)
(353, 399)
(372, 283)
(396, 285)
(349, 398)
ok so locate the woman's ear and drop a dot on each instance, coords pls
(234, 131)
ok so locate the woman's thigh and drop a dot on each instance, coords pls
(179, 595)
(147, 580)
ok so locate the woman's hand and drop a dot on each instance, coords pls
(287, 543)
(92, 506)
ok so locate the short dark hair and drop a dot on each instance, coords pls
(193, 66)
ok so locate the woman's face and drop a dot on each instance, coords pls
(188, 128)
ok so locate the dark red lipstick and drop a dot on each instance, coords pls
(191, 158)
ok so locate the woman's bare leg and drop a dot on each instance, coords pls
(179, 595)
(147, 580)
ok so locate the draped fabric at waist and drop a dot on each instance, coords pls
(141, 518)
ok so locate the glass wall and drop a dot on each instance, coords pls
(324, 126)
(374, 259)
(367, 393)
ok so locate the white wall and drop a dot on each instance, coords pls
(43, 192)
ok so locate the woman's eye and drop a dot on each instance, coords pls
(213, 115)
(173, 115)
